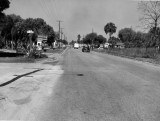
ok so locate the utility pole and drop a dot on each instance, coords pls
(92, 39)
(59, 24)
(61, 32)
(61, 35)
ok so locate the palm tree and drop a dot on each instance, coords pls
(110, 28)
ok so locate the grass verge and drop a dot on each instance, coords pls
(142, 54)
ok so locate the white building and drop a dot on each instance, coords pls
(41, 40)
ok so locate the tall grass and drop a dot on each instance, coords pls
(134, 52)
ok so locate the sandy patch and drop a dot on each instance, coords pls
(22, 99)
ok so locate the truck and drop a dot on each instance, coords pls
(42, 43)
(76, 45)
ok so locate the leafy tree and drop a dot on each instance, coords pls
(7, 31)
(39, 26)
(113, 41)
(4, 4)
(100, 39)
(127, 36)
(89, 38)
(139, 39)
(51, 38)
(64, 42)
(154, 36)
(16, 30)
(110, 28)
(79, 38)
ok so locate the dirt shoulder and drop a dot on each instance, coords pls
(22, 98)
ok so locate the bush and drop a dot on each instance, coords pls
(37, 54)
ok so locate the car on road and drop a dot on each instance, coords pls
(76, 45)
(85, 49)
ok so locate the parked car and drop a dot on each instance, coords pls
(101, 47)
(85, 49)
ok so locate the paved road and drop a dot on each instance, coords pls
(101, 87)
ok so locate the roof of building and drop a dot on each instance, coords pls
(120, 44)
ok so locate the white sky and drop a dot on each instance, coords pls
(79, 16)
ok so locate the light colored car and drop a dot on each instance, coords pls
(76, 45)
(101, 47)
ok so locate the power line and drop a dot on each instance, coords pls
(50, 12)
(43, 9)
(54, 7)
(46, 9)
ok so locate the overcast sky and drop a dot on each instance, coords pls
(79, 16)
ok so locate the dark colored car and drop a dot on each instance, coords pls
(85, 49)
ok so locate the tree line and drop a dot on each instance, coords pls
(91, 39)
(13, 29)
(150, 22)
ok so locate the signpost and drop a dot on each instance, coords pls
(30, 32)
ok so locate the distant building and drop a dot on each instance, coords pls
(41, 40)
(55, 44)
(119, 45)
(106, 45)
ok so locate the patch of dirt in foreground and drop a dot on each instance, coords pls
(22, 99)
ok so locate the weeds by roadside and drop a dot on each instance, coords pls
(13, 57)
(150, 54)
(17, 60)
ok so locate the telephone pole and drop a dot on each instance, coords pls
(92, 39)
(61, 32)
(59, 23)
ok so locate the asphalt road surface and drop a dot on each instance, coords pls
(101, 87)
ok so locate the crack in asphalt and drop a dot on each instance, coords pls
(18, 77)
